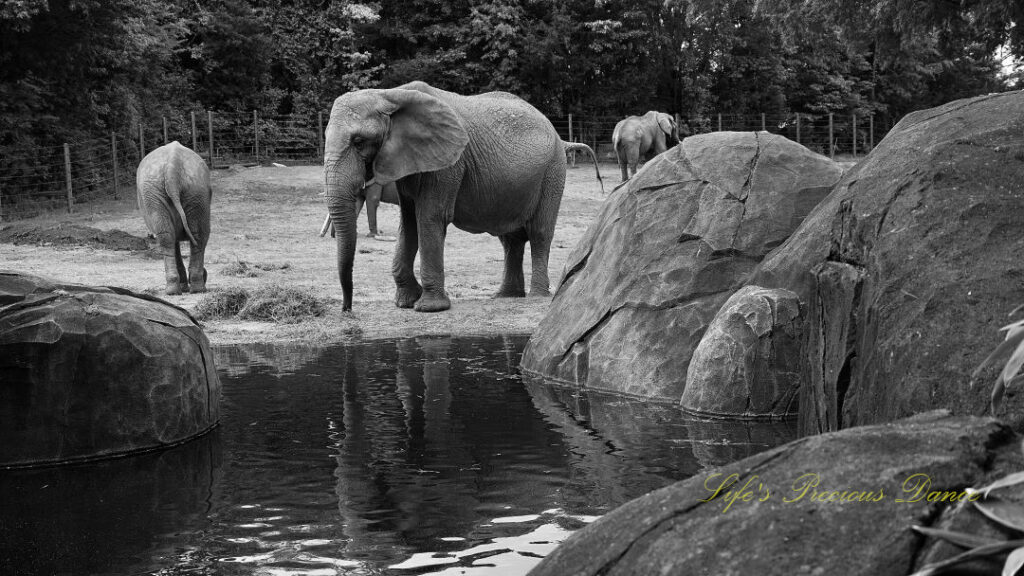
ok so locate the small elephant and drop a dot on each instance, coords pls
(372, 195)
(174, 197)
(636, 136)
(486, 163)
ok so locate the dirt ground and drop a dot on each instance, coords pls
(270, 218)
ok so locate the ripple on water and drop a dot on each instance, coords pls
(421, 455)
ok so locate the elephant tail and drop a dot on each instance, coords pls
(581, 147)
(173, 188)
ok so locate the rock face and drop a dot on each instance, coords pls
(910, 265)
(680, 529)
(739, 368)
(667, 250)
(91, 372)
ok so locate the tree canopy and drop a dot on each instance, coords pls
(75, 67)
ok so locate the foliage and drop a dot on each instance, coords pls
(1011, 354)
(119, 62)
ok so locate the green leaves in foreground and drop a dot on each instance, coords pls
(1007, 514)
(1011, 351)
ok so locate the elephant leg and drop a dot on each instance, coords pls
(435, 209)
(372, 201)
(633, 159)
(512, 283)
(408, 290)
(622, 164)
(360, 200)
(540, 230)
(196, 268)
(174, 268)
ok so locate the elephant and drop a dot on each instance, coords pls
(174, 197)
(485, 163)
(635, 136)
(372, 196)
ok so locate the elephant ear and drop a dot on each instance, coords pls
(425, 135)
(667, 123)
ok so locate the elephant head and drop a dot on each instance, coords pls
(381, 136)
(667, 124)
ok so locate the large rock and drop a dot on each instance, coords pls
(680, 529)
(665, 253)
(738, 368)
(909, 266)
(90, 372)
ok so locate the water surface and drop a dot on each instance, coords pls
(412, 456)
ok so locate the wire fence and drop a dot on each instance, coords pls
(46, 179)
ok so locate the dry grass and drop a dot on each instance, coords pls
(267, 303)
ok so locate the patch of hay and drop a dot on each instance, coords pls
(243, 269)
(270, 303)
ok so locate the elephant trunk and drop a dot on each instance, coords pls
(341, 202)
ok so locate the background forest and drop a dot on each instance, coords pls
(71, 68)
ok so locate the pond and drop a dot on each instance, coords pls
(413, 456)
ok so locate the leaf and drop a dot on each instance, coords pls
(980, 551)
(1010, 480)
(1014, 562)
(961, 539)
(1002, 350)
(997, 395)
(1009, 514)
(1015, 362)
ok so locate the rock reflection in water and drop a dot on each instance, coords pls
(384, 457)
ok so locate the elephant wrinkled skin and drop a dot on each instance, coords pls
(174, 197)
(486, 163)
(636, 136)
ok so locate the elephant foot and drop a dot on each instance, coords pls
(175, 288)
(406, 297)
(510, 293)
(432, 303)
(540, 293)
(197, 288)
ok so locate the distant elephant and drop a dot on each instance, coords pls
(487, 163)
(174, 197)
(372, 195)
(636, 136)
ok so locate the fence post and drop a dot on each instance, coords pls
(256, 135)
(831, 145)
(195, 137)
(320, 134)
(572, 155)
(871, 131)
(67, 174)
(854, 135)
(113, 155)
(142, 145)
(719, 122)
(798, 128)
(763, 125)
(165, 128)
(209, 125)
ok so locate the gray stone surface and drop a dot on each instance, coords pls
(666, 251)
(88, 372)
(673, 531)
(747, 363)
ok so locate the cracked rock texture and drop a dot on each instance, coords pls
(666, 251)
(909, 267)
(88, 372)
(747, 363)
(672, 531)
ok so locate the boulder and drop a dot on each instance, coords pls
(909, 266)
(737, 369)
(826, 504)
(92, 372)
(667, 250)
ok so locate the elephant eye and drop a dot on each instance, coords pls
(358, 140)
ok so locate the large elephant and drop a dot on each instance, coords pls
(372, 196)
(487, 163)
(636, 136)
(174, 197)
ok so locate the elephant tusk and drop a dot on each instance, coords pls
(327, 226)
(370, 182)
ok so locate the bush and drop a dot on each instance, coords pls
(271, 303)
